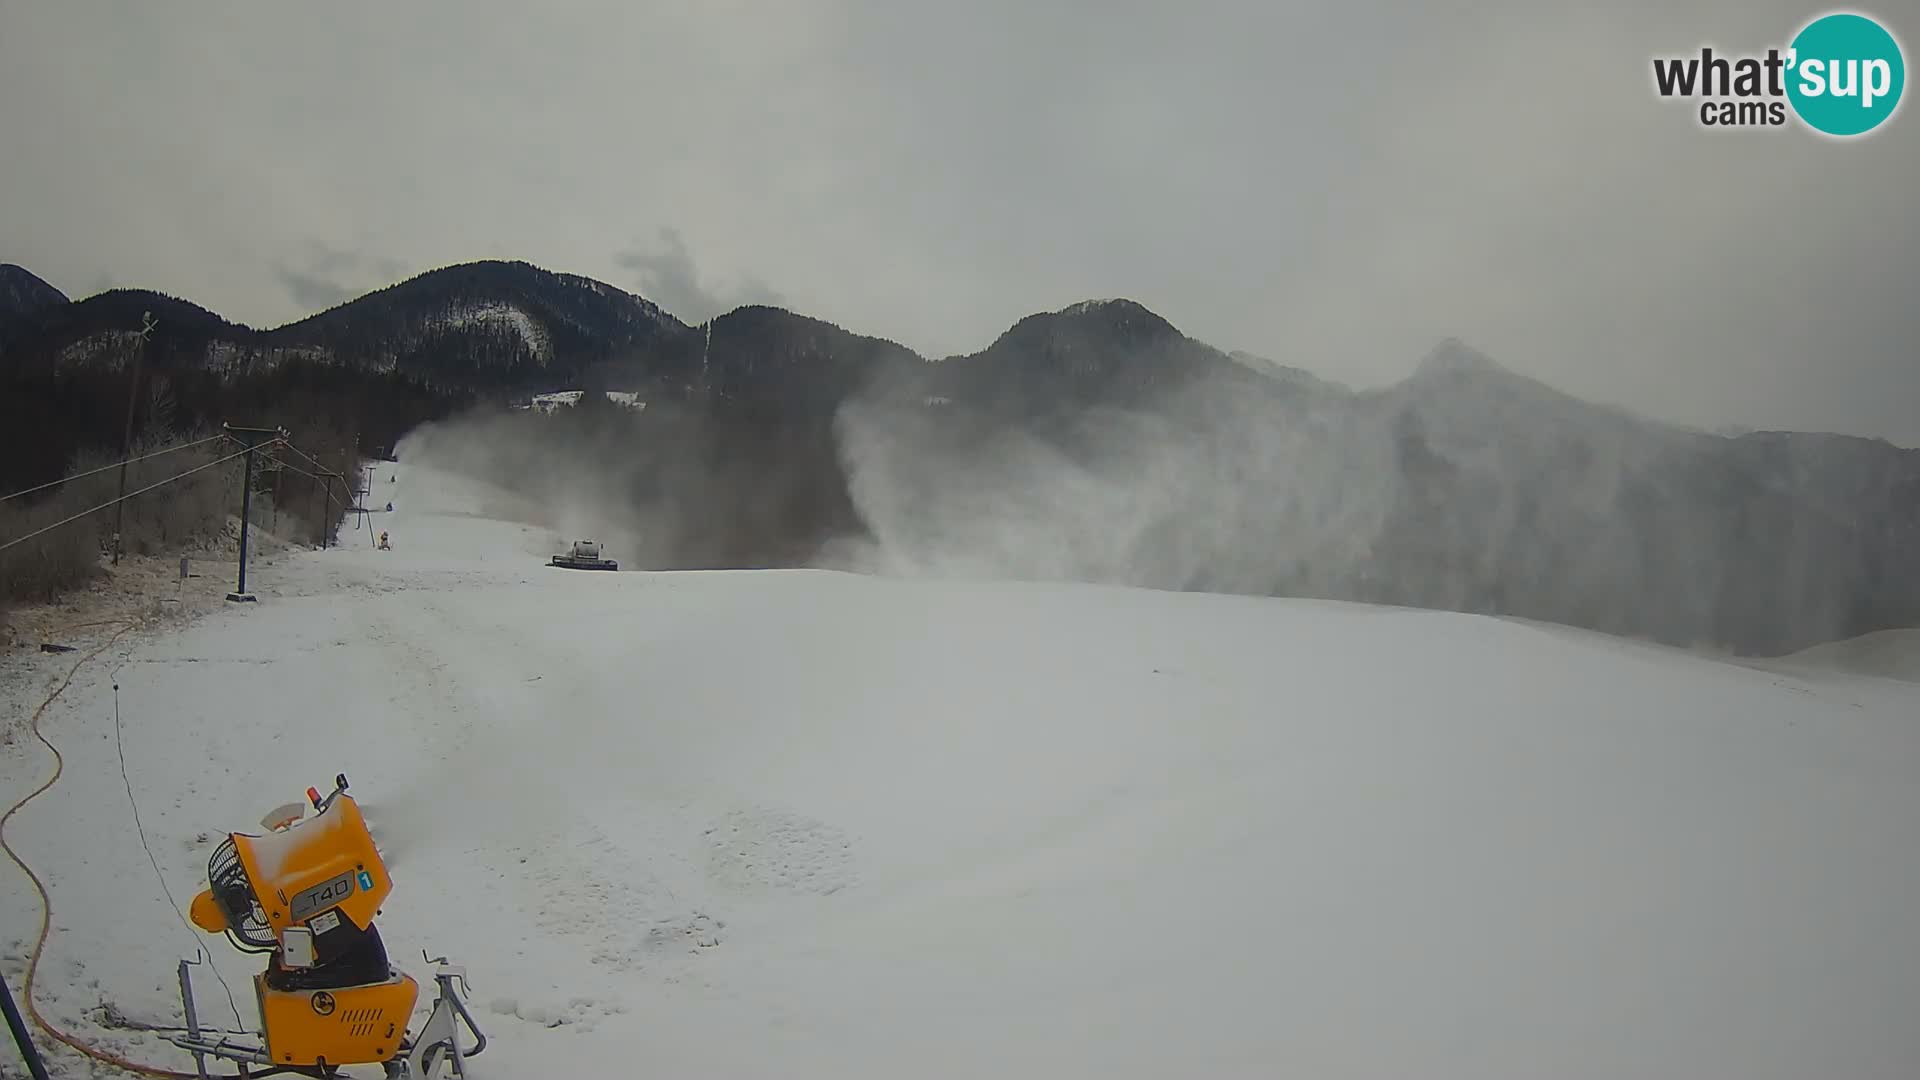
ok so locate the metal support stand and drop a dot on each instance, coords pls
(441, 1043)
(193, 1019)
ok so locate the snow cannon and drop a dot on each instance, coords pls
(584, 555)
(305, 893)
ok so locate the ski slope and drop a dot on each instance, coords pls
(805, 824)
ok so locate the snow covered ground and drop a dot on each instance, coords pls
(806, 824)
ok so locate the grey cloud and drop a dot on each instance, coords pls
(668, 276)
(313, 292)
(1336, 186)
(330, 277)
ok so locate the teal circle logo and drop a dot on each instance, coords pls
(1845, 74)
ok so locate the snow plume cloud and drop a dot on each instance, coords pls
(567, 478)
(1202, 489)
(1466, 488)
(664, 487)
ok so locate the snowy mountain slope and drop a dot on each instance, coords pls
(819, 825)
(1889, 654)
(547, 403)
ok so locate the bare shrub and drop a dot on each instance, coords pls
(48, 565)
(296, 482)
(190, 511)
(185, 513)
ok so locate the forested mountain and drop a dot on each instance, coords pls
(1097, 442)
(22, 293)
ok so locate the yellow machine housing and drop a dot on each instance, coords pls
(350, 1026)
(325, 863)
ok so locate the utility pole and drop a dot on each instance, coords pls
(126, 442)
(254, 438)
(366, 497)
(320, 514)
(326, 510)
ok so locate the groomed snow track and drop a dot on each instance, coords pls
(819, 825)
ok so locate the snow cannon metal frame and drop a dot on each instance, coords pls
(306, 894)
(584, 555)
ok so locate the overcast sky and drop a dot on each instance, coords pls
(1334, 185)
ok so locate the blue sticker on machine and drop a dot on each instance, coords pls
(366, 881)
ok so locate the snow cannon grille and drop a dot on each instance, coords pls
(233, 890)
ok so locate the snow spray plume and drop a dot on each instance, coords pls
(1465, 487)
(446, 800)
(539, 470)
(670, 486)
(1199, 488)
(437, 800)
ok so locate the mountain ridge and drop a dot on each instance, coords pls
(595, 309)
(23, 292)
(1464, 486)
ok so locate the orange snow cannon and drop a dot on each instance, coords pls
(306, 893)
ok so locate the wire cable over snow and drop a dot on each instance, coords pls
(59, 766)
(119, 745)
(46, 902)
(115, 465)
(110, 502)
